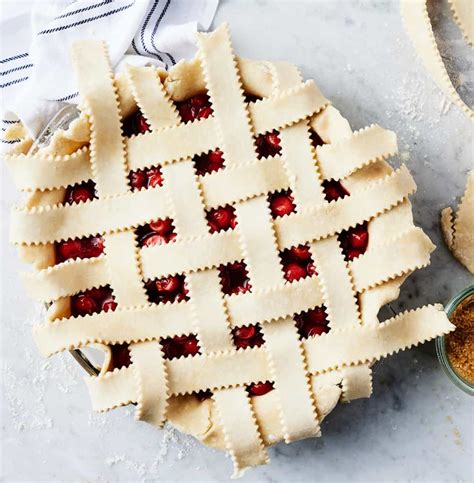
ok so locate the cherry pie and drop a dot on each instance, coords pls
(224, 237)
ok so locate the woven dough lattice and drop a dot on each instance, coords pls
(309, 373)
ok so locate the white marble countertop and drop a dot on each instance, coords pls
(417, 425)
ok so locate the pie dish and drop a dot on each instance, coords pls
(227, 241)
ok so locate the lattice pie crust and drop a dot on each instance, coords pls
(309, 374)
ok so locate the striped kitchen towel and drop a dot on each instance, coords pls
(36, 76)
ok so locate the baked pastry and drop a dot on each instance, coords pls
(226, 239)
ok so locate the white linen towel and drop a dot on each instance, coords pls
(36, 75)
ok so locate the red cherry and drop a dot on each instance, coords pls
(161, 226)
(332, 193)
(281, 205)
(301, 252)
(69, 249)
(92, 247)
(205, 112)
(234, 278)
(245, 332)
(200, 100)
(100, 293)
(191, 346)
(142, 125)
(109, 304)
(260, 388)
(311, 269)
(334, 190)
(80, 194)
(242, 343)
(120, 356)
(84, 304)
(293, 271)
(353, 253)
(273, 140)
(171, 348)
(317, 141)
(358, 237)
(154, 239)
(168, 284)
(221, 218)
(155, 178)
(316, 316)
(314, 330)
(216, 156)
(138, 179)
(186, 112)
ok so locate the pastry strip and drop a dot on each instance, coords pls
(366, 146)
(287, 107)
(258, 243)
(372, 342)
(32, 172)
(418, 26)
(243, 439)
(209, 311)
(409, 251)
(300, 161)
(124, 269)
(190, 254)
(339, 296)
(463, 16)
(152, 394)
(240, 182)
(114, 327)
(298, 416)
(337, 349)
(151, 97)
(356, 382)
(271, 304)
(343, 213)
(225, 91)
(109, 164)
(98, 216)
(66, 278)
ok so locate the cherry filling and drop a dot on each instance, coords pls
(156, 233)
(135, 124)
(260, 388)
(208, 162)
(196, 107)
(93, 301)
(89, 247)
(145, 178)
(234, 278)
(222, 218)
(180, 345)
(312, 322)
(281, 203)
(354, 241)
(120, 356)
(80, 193)
(168, 289)
(247, 336)
(297, 263)
(268, 144)
(334, 190)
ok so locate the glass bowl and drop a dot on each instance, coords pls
(441, 344)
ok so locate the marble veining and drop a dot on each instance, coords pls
(417, 425)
